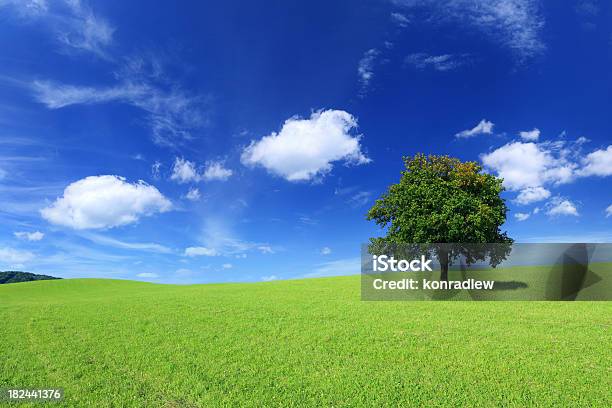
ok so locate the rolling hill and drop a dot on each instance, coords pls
(297, 343)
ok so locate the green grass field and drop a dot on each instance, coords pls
(297, 343)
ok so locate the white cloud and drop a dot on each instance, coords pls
(200, 251)
(74, 24)
(86, 31)
(265, 249)
(30, 236)
(215, 170)
(326, 251)
(305, 149)
(227, 266)
(15, 257)
(524, 165)
(107, 201)
(597, 163)
(515, 24)
(442, 63)
(530, 135)
(269, 278)
(27, 8)
(156, 170)
(609, 211)
(561, 206)
(148, 275)
(193, 194)
(484, 127)
(115, 243)
(400, 20)
(532, 195)
(360, 199)
(365, 68)
(184, 171)
(536, 210)
(521, 216)
(218, 235)
(172, 114)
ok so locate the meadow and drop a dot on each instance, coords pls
(297, 343)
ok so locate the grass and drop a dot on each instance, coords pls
(297, 343)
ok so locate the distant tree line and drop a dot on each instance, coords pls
(16, 276)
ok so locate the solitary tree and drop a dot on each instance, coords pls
(439, 200)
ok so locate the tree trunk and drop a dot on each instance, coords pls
(443, 265)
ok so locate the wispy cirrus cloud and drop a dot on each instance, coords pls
(136, 246)
(442, 63)
(73, 23)
(172, 114)
(515, 24)
(365, 69)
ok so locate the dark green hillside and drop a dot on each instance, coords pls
(15, 277)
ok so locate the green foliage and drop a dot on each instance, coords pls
(15, 277)
(298, 343)
(440, 199)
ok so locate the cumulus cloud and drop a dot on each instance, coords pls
(200, 251)
(269, 278)
(107, 201)
(30, 236)
(11, 256)
(184, 171)
(530, 167)
(597, 163)
(444, 62)
(515, 24)
(532, 195)
(560, 206)
(215, 170)
(525, 165)
(193, 194)
(304, 149)
(530, 135)
(484, 127)
(609, 211)
(521, 216)
(227, 266)
(326, 251)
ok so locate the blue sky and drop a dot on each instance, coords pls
(228, 141)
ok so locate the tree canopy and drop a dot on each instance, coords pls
(440, 199)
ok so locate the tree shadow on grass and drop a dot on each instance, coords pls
(509, 285)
